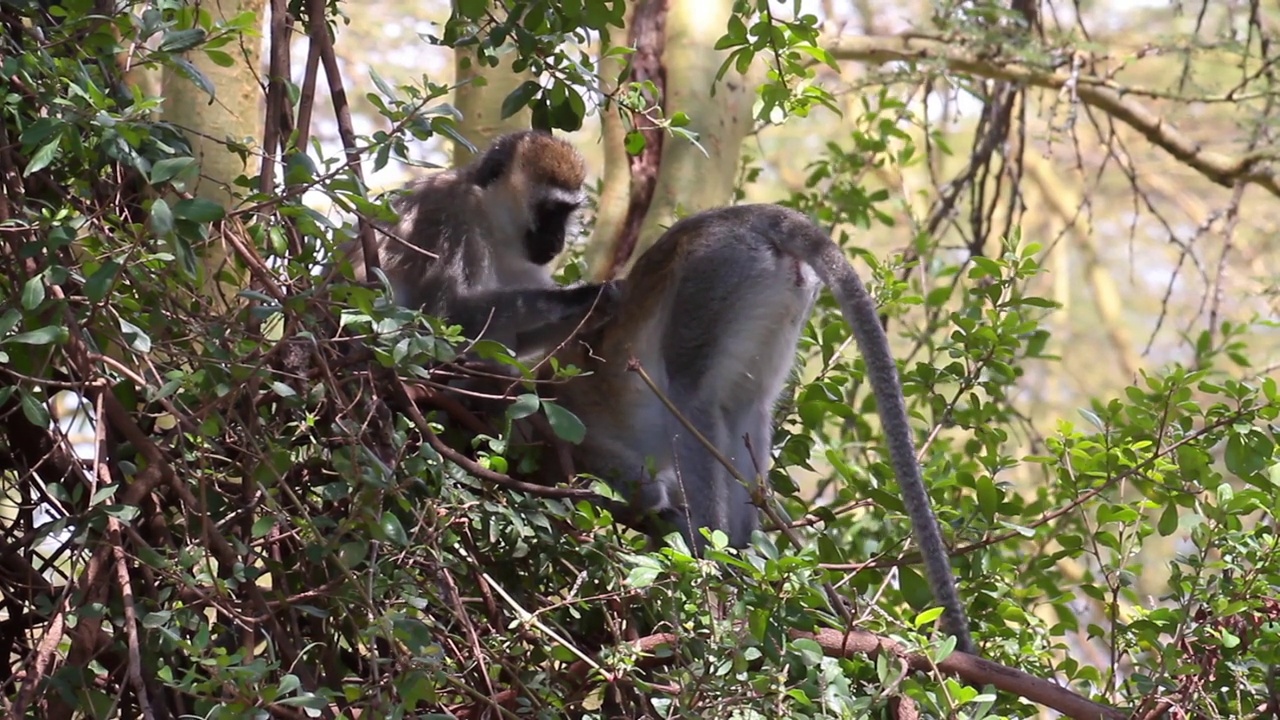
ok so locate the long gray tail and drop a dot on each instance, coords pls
(830, 264)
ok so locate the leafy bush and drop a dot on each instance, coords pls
(247, 534)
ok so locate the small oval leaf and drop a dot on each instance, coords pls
(394, 531)
(566, 425)
(523, 406)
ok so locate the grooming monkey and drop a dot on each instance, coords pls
(713, 312)
(475, 245)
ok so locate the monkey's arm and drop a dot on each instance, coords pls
(534, 320)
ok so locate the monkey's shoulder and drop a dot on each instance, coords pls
(738, 220)
(446, 186)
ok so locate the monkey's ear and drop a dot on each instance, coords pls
(498, 159)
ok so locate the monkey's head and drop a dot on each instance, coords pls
(531, 184)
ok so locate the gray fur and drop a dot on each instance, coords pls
(713, 312)
(461, 250)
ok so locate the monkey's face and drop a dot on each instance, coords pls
(551, 222)
(530, 185)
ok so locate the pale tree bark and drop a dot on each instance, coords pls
(673, 176)
(235, 113)
(688, 180)
(638, 172)
(615, 182)
(481, 103)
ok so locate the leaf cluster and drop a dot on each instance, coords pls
(268, 506)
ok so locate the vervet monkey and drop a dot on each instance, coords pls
(713, 312)
(475, 244)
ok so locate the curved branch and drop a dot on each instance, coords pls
(969, 668)
(1102, 93)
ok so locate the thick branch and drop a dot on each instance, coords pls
(1102, 93)
(972, 670)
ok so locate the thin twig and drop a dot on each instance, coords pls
(319, 27)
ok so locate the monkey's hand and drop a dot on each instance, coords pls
(533, 321)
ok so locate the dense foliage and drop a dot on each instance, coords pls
(243, 535)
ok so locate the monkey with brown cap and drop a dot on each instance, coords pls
(475, 244)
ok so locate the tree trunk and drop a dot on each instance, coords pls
(720, 113)
(481, 106)
(236, 113)
(615, 190)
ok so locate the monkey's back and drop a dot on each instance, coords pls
(723, 269)
(712, 312)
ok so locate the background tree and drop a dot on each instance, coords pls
(244, 533)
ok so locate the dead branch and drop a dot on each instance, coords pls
(1104, 94)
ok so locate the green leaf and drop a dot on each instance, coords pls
(42, 157)
(988, 496)
(393, 530)
(102, 496)
(220, 58)
(523, 406)
(314, 702)
(810, 651)
(1122, 514)
(153, 620)
(634, 142)
(471, 9)
(938, 295)
(199, 210)
(817, 53)
(298, 169)
(914, 588)
(99, 283)
(188, 263)
(351, 554)
(289, 683)
(379, 82)
(9, 320)
(40, 336)
(643, 576)
(566, 425)
(192, 73)
(519, 98)
(33, 292)
(983, 267)
(1168, 523)
(176, 41)
(123, 513)
(568, 115)
(161, 218)
(928, 617)
(169, 168)
(1248, 452)
(137, 339)
(1038, 302)
(34, 410)
(262, 526)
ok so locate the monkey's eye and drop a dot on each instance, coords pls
(555, 212)
(561, 207)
